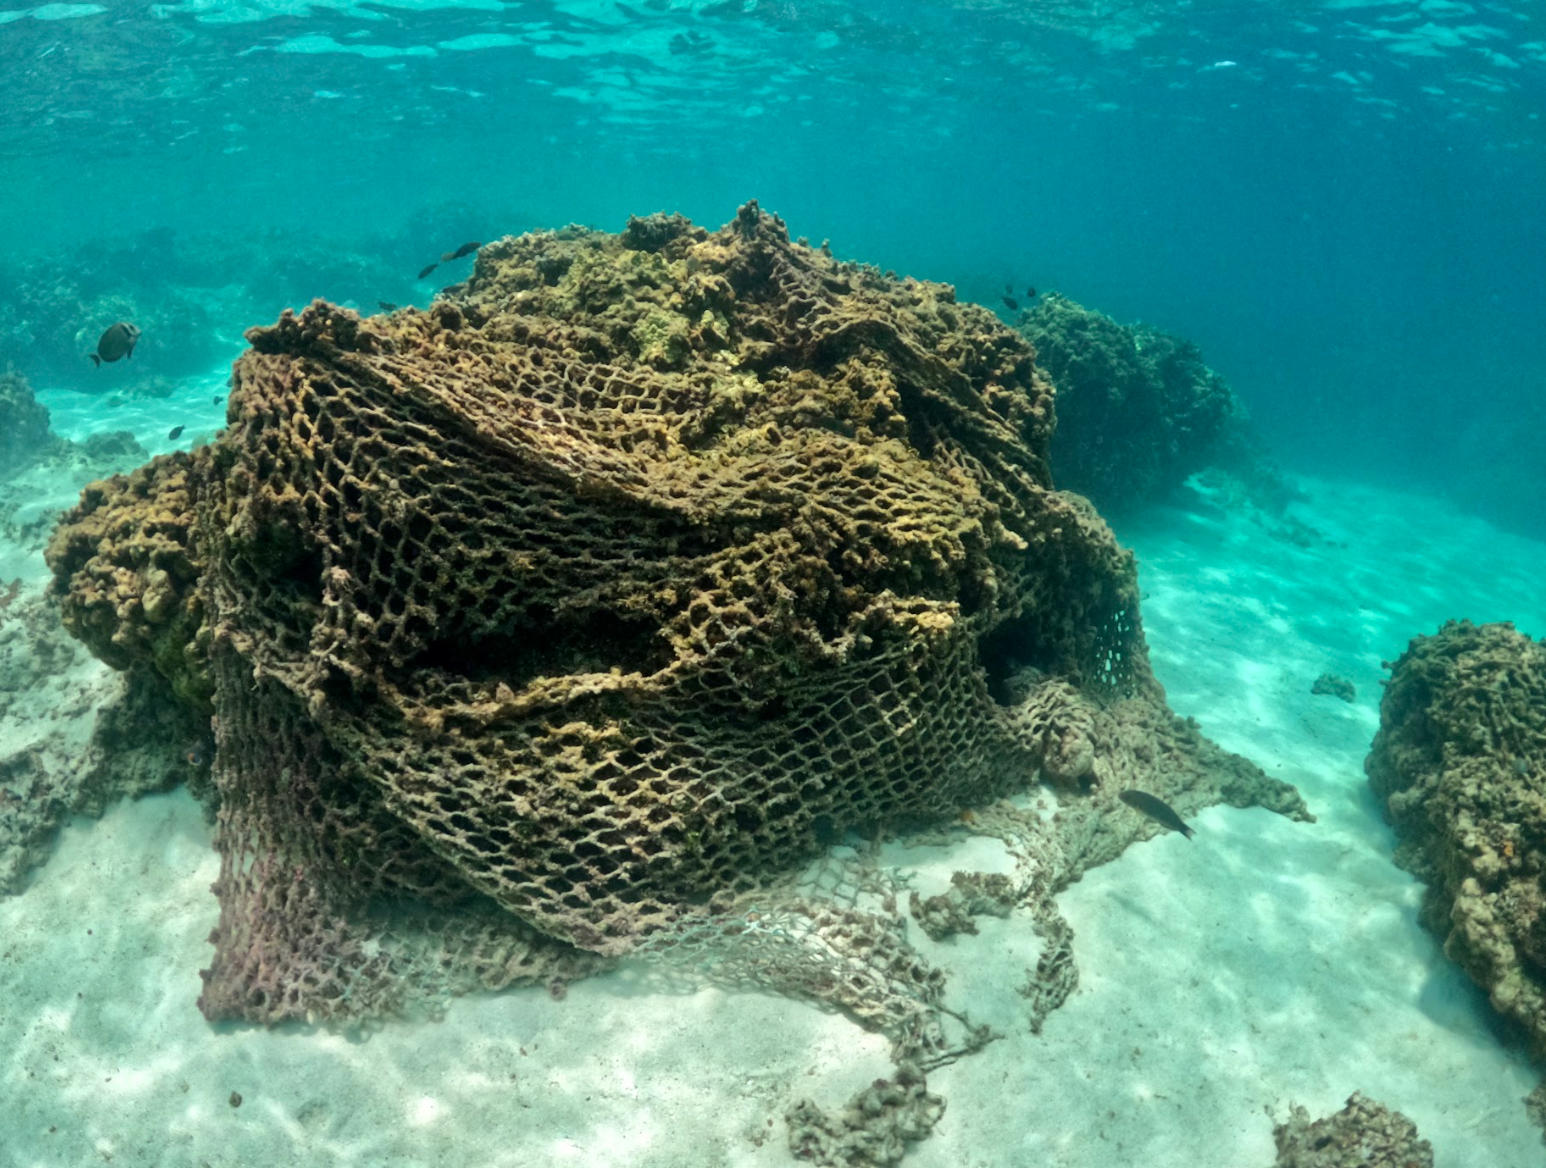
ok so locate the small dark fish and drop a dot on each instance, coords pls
(118, 341)
(386, 306)
(1030, 293)
(689, 42)
(465, 249)
(219, 401)
(428, 270)
(1012, 303)
(1156, 809)
(175, 434)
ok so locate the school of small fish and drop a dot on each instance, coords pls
(1009, 299)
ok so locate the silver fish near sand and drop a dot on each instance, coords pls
(118, 341)
(1156, 809)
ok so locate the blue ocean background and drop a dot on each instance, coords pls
(1341, 203)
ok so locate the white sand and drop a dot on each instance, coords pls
(1264, 962)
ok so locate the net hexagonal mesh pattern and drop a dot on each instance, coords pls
(560, 618)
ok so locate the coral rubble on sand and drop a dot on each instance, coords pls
(1364, 1134)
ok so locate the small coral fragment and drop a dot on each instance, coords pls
(873, 1130)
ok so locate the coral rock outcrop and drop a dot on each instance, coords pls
(1139, 411)
(1460, 765)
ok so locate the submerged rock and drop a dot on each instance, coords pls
(25, 437)
(1139, 411)
(1459, 764)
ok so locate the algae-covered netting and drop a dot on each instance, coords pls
(560, 618)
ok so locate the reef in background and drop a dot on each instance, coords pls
(30, 451)
(192, 292)
(24, 434)
(1138, 412)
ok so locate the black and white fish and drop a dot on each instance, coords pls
(118, 341)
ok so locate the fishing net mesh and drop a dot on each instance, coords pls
(570, 618)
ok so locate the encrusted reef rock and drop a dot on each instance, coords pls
(24, 433)
(126, 570)
(1364, 1134)
(1138, 410)
(1460, 765)
(49, 697)
(606, 590)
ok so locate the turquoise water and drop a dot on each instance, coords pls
(1342, 204)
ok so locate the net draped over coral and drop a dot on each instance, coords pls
(550, 621)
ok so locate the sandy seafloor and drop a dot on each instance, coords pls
(1263, 963)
